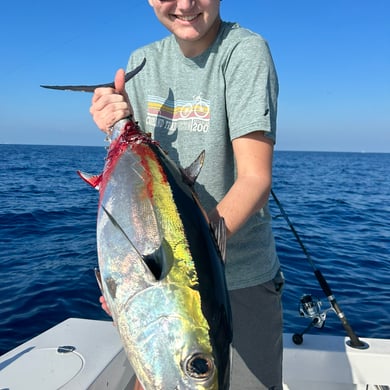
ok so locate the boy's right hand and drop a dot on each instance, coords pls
(110, 105)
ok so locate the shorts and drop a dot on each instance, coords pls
(257, 336)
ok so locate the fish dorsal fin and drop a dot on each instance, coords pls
(191, 173)
(219, 231)
(92, 180)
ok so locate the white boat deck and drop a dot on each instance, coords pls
(97, 361)
(87, 354)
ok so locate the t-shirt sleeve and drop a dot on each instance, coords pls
(251, 89)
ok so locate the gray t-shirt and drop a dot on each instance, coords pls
(202, 103)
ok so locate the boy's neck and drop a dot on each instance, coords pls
(191, 49)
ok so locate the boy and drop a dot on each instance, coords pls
(212, 86)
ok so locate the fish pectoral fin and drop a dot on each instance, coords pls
(219, 232)
(160, 261)
(191, 173)
(92, 180)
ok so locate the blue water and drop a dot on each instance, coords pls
(338, 202)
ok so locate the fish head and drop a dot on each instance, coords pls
(168, 348)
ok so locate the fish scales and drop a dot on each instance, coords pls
(165, 318)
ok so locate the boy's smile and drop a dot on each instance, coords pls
(194, 23)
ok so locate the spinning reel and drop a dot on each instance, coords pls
(310, 307)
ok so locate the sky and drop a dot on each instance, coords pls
(332, 59)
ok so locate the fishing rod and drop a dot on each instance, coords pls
(310, 307)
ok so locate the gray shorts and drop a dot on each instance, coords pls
(257, 336)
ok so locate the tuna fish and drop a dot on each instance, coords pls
(162, 265)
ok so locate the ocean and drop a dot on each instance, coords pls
(339, 204)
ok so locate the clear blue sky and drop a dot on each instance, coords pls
(332, 57)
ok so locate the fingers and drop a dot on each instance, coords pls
(120, 85)
(120, 81)
(110, 105)
(104, 305)
(108, 108)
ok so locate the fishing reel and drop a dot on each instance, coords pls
(310, 307)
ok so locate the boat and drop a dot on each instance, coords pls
(79, 354)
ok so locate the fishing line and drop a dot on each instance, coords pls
(354, 341)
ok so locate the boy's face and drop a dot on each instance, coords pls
(195, 23)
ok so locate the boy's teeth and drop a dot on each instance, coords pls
(187, 18)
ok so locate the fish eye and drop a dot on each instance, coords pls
(199, 366)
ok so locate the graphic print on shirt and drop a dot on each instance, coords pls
(182, 115)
